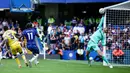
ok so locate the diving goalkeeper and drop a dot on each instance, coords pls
(96, 37)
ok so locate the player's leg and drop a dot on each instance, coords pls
(101, 54)
(88, 50)
(36, 60)
(19, 49)
(14, 52)
(32, 59)
(35, 52)
(87, 54)
(103, 57)
(33, 48)
(24, 58)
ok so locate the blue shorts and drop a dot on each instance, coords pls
(33, 48)
(92, 46)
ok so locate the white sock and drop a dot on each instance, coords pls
(34, 57)
(36, 61)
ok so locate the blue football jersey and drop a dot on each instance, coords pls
(30, 35)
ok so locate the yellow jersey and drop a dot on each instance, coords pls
(10, 36)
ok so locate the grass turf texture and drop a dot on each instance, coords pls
(59, 66)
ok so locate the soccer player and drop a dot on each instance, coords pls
(30, 35)
(97, 36)
(13, 45)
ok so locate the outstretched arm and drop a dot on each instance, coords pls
(101, 23)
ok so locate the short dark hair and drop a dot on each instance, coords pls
(5, 28)
(29, 25)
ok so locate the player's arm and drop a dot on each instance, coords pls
(36, 32)
(101, 23)
(16, 34)
(23, 40)
(37, 35)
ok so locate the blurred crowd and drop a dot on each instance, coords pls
(118, 35)
(13, 25)
(75, 34)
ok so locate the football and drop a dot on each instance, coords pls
(101, 11)
(90, 58)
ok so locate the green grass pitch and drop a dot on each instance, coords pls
(59, 66)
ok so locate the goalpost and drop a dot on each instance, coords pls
(117, 20)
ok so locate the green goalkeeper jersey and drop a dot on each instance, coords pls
(99, 35)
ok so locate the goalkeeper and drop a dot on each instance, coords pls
(97, 36)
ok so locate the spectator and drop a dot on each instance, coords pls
(39, 20)
(35, 23)
(49, 29)
(74, 21)
(129, 40)
(76, 41)
(109, 43)
(67, 40)
(16, 25)
(81, 23)
(75, 29)
(113, 31)
(51, 20)
(125, 29)
(113, 45)
(81, 29)
(61, 27)
(11, 25)
(5, 23)
(73, 41)
(67, 23)
(118, 55)
(81, 39)
(126, 44)
(90, 32)
(53, 40)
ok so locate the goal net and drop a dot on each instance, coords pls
(117, 50)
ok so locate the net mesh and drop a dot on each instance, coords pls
(118, 36)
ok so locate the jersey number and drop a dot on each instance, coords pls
(30, 36)
(11, 36)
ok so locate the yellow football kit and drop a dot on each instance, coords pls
(13, 42)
